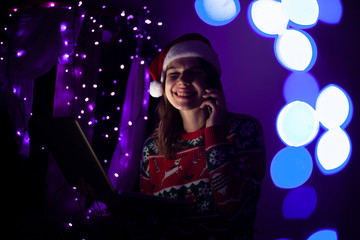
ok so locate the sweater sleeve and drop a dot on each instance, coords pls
(236, 162)
(145, 183)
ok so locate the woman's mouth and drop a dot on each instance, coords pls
(184, 94)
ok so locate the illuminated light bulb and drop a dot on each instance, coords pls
(105, 160)
(96, 43)
(295, 50)
(217, 12)
(51, 4)
(122, 66)
(291, 167)
(334, 107)
(126, 154)
(82, 111)
(116, 175)
(20, 53)
(103, 6)
(68, 103)
(83, 86)
(63, 27)
(116, 129)
(122, 14)
(130, 123)
(80, 3)
(95, 85)
(120, 40)
(91, 107)
(112, 93)
(333, 151)
(94, 20)
(86, 99)
(148, 37)
(107, 117)
(302, 13)
(135, 28)
(79, 116)
(65, 58)
(299, 203)
(118, 108)
(331, 11)
(297, 124)
(100, 69)
(100, 26)
(267, 18)
(301, 86)
(83, 56)
(90, 123)
(160, 24)
(142, 62)
(145, 117)
(324, 234)
(148, 21)
(106, 135)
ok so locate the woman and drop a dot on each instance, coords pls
(199, 151)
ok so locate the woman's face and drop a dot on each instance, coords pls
(185, 83)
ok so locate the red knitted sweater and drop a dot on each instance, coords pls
(219, 167)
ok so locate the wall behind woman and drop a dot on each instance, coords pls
(253, 83)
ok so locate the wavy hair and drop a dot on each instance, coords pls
(170, 126)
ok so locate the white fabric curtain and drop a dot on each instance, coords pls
(125, 164)
(34, 46)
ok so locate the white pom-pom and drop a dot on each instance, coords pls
(156, 89)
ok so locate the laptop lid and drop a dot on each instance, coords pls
(71, 150)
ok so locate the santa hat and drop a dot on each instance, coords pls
(188, 45)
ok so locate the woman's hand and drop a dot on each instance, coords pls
(215, 99)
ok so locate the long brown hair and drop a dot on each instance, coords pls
(170, 126)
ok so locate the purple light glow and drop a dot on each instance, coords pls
(20, 53)
(63, 27)
(91, 107)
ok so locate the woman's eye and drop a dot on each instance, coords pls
(173, 75)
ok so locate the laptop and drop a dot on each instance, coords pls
(64, 138)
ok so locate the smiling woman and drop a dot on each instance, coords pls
(199, 151)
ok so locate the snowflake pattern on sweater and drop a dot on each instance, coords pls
(218, 168)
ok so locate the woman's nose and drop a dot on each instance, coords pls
(185, 78)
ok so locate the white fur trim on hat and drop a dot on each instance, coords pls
(156, 89)
(191, 48)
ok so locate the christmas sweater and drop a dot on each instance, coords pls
(219, 168)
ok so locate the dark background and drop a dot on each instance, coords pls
(253, 81)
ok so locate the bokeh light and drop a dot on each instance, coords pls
(301, 86)
(217, 12)
(267, 18)
(334, 107)
(302, 13)
(324, 234)
(296, 50)
(331, 11)
(299, 203)
(291, 167)
(333, 151)
(297, 124)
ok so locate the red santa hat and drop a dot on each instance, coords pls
(188, 45)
